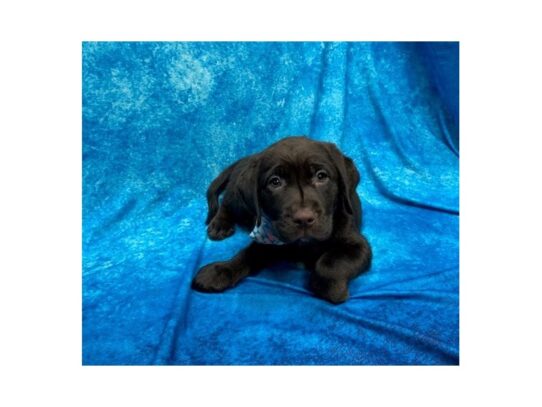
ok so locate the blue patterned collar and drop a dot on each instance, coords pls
(265, 234)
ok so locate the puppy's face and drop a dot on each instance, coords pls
(299, 188)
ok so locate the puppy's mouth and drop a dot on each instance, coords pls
(306, 240)
(292, 234)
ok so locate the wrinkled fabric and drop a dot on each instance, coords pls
(161, 120)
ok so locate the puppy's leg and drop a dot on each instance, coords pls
(219, 276)
(344, 260)
(221, 225)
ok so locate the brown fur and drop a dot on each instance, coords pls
(307, 190)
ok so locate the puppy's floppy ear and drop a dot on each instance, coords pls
(215, 189)
(248, 186)
(348, 176)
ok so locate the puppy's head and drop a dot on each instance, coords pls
(303, 187)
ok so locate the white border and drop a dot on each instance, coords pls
(40, 169)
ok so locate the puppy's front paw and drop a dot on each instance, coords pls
(334, 291)
(220, 228)
(213, 278)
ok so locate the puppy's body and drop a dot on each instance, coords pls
(305, 191)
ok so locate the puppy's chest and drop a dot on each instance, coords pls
(301, 255)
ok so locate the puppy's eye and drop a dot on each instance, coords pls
(321, 175)
(274, 182)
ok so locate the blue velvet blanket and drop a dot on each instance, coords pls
(161, 120)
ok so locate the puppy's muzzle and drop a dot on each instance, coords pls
(304, 218)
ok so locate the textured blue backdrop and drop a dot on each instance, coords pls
(160, 121)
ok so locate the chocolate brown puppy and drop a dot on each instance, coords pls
(298, 198)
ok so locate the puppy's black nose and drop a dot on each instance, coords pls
(304, 217)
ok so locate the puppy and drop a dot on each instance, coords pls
(298, 198)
